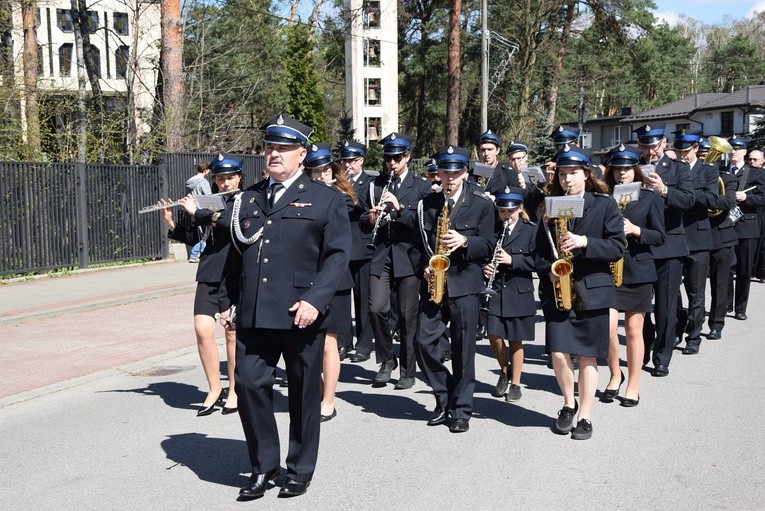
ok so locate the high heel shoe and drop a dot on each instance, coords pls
(630, 403)
(226, 410)
(210, 409)
(610, 394)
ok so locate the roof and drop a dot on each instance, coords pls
(751, 95)
(680, 108)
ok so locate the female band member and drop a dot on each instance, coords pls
(227, 176)
(511, 307)
(318, 164)
(644, 228)
(589, 243)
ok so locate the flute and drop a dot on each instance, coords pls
(157, 207)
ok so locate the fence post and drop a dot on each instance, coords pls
(163, 192)
(81, 215)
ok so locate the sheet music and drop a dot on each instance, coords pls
(647, 168)
(626, 193)
(564, 206)
(483, 170)
(533, 175)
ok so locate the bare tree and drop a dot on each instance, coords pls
(172, 74)
(31, 109)
(453, 66)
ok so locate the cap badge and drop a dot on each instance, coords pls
(489, 132)
(621, 147)
(314, 148)
(566, 148)
(647, 128)
(507, 189)
(280, 120)
(220, 157)
(393, 136)
(346, 144)
(560, 128)
(450, 150)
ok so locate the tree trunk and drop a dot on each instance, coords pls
(172, 74)
(82, 83)
(31, 107)
(453, 66)
(552, 98)
(80, 24)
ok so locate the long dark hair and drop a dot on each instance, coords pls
(611, 182)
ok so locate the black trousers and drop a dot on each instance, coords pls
(257, 353)
(691, 320)
(666, 289)
(720, 261)
(453, 391)
(408, 296)
(745, 253)
(362, 327)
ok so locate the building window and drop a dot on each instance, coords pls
(374, 125)
(617, 138)
(371, 14)
(683, 126)
(123, 56)
(95, 55)
(372, 90)
(121, 23)
(91, 21)
(372, 52)
(65, 59)
(64, 20)
(40, 60)
(726, 123)
(585, 140)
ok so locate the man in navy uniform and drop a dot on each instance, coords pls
(672, 179)
(394, 195)
(489, 146)
(698, 236)
(293, 247)
(468, 244)
(352, 155)
(747, 227)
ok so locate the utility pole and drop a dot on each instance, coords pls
(484, 66)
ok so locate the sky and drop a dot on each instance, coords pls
(710, 12)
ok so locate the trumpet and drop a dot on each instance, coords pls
(720, 146)
(371, 245)
(157, 207)
(488, 293)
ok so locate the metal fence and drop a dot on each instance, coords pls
(66, 215)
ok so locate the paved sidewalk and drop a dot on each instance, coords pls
(98, 412)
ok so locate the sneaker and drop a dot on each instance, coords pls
(387, 367)
(501, 387)
(583, 430)
(565, 421)
(194, 259)
(513, 393)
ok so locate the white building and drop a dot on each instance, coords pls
(371, 68)
(125, 35)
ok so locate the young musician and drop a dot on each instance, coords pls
(590, 243)
(644, 228)
(511, 304)
(457, 226)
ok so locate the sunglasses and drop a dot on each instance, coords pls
(393, 157)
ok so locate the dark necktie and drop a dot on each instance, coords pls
(272, 190)
(733, 169)
(395, 185)
(451, 204)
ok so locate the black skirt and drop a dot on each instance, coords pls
(338, 318)
(206, 299)
(577, 332)
(634, 297)
(512, 329)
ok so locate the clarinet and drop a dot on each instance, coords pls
(371, 245)
(489, 292)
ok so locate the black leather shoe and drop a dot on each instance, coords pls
(583, 430)
(293, 488)
(610, 394)
(691, 348)
(630, 403)
(407, 382)
(660, 370)
(438, 416)
(325, 418)
(226, 411)
(359, 357)
(740, 316)
(210, 409)
(565, 421)
(480, 333)
(459, 426)
(257, 484)
(387, 367)
(714, 334)
(501, 387)
(343, 351)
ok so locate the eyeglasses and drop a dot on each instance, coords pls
(393, 157)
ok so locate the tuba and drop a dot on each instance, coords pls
(720, 146)
(439, 262)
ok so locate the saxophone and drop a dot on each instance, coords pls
(617, 267)
(562, 267)
(439, 262)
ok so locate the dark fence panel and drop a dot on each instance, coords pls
(181, 166)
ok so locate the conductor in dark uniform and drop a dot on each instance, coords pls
(352, 156)
(394, 195)
(747, 227)
(672, 180)
(293, 247)
(464, 217)
(698, 236)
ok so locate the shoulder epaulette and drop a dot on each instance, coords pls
(481, 194)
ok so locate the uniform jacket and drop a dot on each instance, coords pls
(303, 253)
(513, 284)
(647, 213)
(680, 196)
(723, 229)
(394, 236)
(698, 230)
(474, 219)
(359, 239)
(592, 281)
(213, 259)
(503, 176)
(748, 227)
